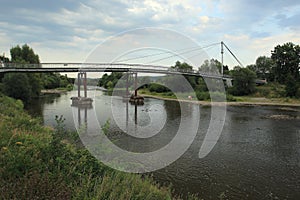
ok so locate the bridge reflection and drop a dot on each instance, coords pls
(83, 115)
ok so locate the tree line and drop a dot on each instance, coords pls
(25, 86)
(281, 68)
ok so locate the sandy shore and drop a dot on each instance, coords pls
(265, 102)
(53, 91)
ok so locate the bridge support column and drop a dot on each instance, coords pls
(78, 84)
(135, 99)
(79, 100)
(85, 84)
(82, 80)
(127, 84)
(135, 85)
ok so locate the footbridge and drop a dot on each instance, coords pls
(102, 67)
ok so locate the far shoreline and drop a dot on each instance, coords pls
(53, 91)
(227, 103)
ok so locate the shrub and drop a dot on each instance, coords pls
(202, 95)
(155, 87)
(42, 163)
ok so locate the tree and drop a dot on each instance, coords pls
(264, 67)
(114, 77)
(212, 66)
(24, 54)
(184, 67)
(287, 62)
(23, 86)
(3, 60)
(243, 81)
(17, 86)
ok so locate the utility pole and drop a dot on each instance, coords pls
(222, 52)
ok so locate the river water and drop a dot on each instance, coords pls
(256, 157)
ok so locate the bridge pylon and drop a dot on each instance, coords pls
(81, 100)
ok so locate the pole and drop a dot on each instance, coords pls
(135, 85)
(85, 85)
(78, 83)
(127, 77)
(222, 59)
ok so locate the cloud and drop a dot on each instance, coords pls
(68, 26)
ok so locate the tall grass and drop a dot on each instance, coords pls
(43, 163)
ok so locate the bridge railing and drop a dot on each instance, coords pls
(122, 67)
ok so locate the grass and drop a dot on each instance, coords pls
(40, 162)
(270, 93)
(201, 96)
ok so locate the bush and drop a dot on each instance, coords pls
(202, 96)
(155, 87)
(42, 163)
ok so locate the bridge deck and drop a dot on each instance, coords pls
(101, 67)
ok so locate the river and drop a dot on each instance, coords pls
(256, 157)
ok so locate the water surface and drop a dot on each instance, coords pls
(256, 157)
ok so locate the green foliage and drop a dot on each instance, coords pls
(202, 96)
(155, 87)
(264, 67)
(109, 81)
(292, 86)
(286, 58)
(212, 66)
(183, 67)
(55, 80)
(69, 87)
(41, 163)
(25, 53)
(22, 86)
(18, 86)
(109, 85)
(243, 83)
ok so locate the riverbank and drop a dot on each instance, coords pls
(55, 91)
(241, 101)
(43, 162)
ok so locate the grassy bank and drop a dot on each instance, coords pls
(43, 163)
(258, 98)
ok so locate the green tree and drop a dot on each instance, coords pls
(24, 54)
(51, 80)
(184, 67)
(287, 59)
(264, 66)
(17, 85)
(3, 60)
(212, 66)
(113, 78)
(243, 81)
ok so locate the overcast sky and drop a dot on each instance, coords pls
(68, 30)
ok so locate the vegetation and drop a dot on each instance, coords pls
(277, 76)
(109, 81)
(43, 163)
(243, 81)
(22, 86)
(27, 86)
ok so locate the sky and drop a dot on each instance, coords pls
(69, 30)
